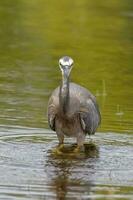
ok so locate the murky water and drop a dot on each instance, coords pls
(99, 37)
(29, 169)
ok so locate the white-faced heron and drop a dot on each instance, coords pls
(72, 109)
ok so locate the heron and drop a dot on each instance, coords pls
(72, 109)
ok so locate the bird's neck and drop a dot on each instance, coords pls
(64, 94)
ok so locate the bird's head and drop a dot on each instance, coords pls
(66, 64)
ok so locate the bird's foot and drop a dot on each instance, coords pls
(61, 146)
(78, 150)
(57, 150)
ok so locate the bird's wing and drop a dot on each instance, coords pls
(51, 117)
(51, 113)
(89, 116)
(53, 105)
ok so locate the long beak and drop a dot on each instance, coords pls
(66, 71)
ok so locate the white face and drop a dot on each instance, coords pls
(66, 64)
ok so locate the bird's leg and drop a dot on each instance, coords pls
(80, 142)
(60, 145)
(61, 140)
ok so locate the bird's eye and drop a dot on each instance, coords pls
(60, 64)
(70, 65)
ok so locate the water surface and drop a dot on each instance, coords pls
(31, 170)
(98, 35)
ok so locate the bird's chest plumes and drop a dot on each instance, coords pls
(68, 125)
(64, 95)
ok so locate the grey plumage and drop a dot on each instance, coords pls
(72, 109)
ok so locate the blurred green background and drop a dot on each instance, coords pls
(98, 35)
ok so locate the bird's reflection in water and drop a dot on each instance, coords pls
(66, 171)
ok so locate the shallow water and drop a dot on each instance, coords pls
(29, 169)
(98, 35)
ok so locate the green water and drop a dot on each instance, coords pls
(34, 34)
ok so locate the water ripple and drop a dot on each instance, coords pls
(29, 168)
